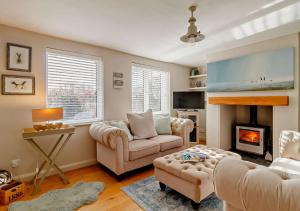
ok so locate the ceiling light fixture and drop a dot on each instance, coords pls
(192, 34)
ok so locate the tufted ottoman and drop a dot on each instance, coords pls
(193, 180)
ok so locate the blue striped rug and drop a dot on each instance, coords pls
(147, 194)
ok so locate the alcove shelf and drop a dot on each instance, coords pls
(194, 79)
(198, 76)
(198, 89)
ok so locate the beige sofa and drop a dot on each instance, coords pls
(247, 186)
(115, 152)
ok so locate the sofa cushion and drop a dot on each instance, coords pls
(141, 148)
(168, 141)
(142, 124)
(290, 167)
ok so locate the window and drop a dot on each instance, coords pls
(150, 89)
(75, 82)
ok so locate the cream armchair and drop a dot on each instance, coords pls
(115, 152)
(245, 186)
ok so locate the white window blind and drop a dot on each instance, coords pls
(75, 82)
(150, 89)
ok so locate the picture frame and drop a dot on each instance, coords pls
(118, 75)
(18, 57)
(118, 81)
(18, 85)
(262, 71)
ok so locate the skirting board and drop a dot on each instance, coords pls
(64, 168)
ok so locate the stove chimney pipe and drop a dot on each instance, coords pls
(253, 115)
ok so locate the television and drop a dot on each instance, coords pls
(188, 100)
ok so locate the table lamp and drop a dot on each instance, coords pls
(45, 115)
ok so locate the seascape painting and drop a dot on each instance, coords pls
(272, 70)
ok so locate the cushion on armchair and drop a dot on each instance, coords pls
(291, 168)
(142, 124)
(290, 144)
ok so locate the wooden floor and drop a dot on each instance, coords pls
(112, 198)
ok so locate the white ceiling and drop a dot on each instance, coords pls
(151, 28)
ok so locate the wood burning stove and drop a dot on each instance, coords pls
(252, 137)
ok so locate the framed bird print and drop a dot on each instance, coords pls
(118, 81)
(18, 57)
(18, 85)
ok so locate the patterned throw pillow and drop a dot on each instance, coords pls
(122, 125)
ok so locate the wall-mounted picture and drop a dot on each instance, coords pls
(118, 81)
(18, 85)
(18, 57)
(272, 70)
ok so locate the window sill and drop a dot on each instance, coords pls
(85, 123)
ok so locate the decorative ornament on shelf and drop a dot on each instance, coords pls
(194, 71)
(192, 34)
(202, 69)
(5, 177)
(47, 115)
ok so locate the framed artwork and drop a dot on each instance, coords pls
(18, 85)
(18, 57)
(270, 70)
(118, 81)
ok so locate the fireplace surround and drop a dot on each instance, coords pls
(223, 116)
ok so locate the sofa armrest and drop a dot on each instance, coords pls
(247, 186)
(182, 127)
(108, 135)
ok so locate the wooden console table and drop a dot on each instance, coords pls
(29, 134)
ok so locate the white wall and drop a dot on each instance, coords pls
(285, 117)
(15, 111)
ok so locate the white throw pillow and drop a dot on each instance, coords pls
(290, 144)
(142, 124)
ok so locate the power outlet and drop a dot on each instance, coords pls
(16, 163)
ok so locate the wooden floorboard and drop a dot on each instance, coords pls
(112, 198)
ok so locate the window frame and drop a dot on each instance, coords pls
(99, 85)
(168, 82)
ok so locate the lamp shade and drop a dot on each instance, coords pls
(47, 114)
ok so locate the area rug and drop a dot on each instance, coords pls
(67, 199)
(147, 194)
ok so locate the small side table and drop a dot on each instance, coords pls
(29, 134)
